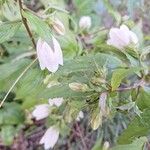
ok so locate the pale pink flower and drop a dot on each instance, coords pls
(49, 56)
(58, 26)
(41, 111)
(80, 116)
(85, 22)
(50, 137)
(55, 102)
(121, 37)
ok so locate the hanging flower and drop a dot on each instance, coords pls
(58, 26)
(80, 116)
(41, 111)
(85, 22)
(49, 56)
(121, 37)
(55, 102)
(50, 137)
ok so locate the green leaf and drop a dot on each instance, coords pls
(11, 114)
(8, 29)
(7, 134)
(77, 70)
(143, 100)
(10, 68)
(139, 126)
(38, 25)
(119, 74)
(137, 144)
(10, 10)
(89, 63)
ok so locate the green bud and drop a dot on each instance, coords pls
(78, 87)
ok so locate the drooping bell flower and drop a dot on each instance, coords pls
(121, 37)
(50, 137)
(49, 56)
(41, 111)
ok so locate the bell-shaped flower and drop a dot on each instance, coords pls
(58, 26)
(41, 111)
(121, 37)
(80, 116)
(85, 22)
(50, 137)
(49, 56)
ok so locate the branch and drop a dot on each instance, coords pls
(134, 86)
(24, 20)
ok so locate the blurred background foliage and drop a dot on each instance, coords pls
(18, 131)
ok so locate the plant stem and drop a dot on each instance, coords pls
(81, 136)
(136, 85)
(20, 76)
(24, 20)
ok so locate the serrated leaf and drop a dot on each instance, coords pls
(7, 30)
(38, 25)
(137, 144)
(139, 126)
(10, 9)
(89, 63)
(119, 74)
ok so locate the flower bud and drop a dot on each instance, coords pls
(98, 81)
(85, 22)
(78, 87)
(58, 26)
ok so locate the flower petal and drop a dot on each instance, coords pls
(40, 53)
(133, 37)
(50, 137)
(50, 60)
(58, 52)
(41, 111)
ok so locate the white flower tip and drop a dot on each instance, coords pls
(85, 22)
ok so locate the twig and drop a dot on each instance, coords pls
(81, 136)
(134, 86)
(24, 20)
(20, 76)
